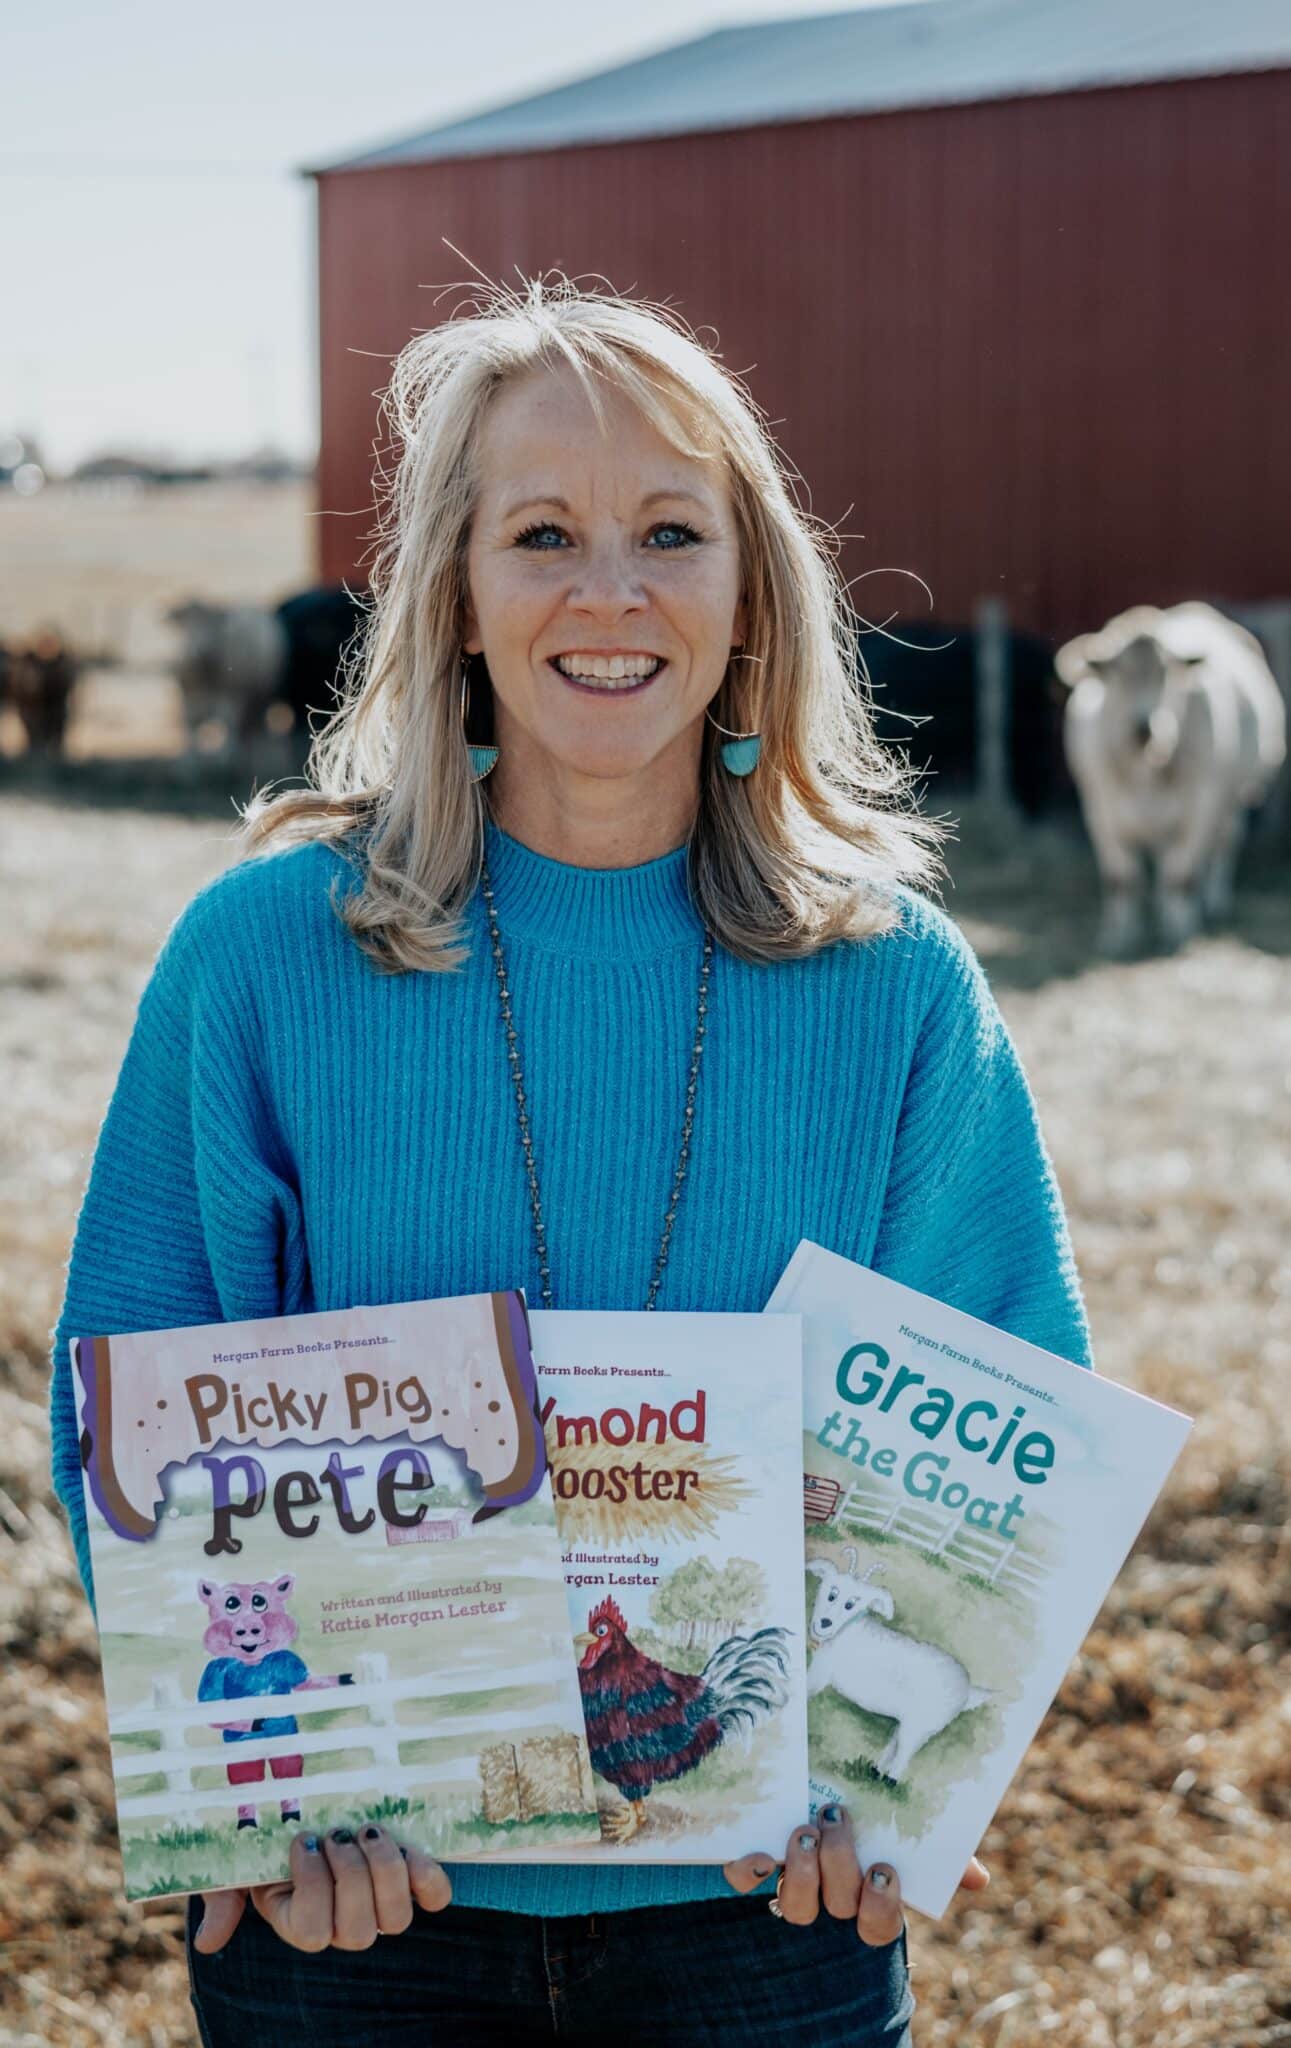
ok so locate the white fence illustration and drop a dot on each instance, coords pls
(174, 1716)
(936, 1534)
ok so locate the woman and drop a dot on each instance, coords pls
(595, 967)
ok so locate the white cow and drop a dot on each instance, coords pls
(229, 670)
(1174, 729)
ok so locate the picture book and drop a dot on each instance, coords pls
(329, 1588)
(969, 1499)
(673, 1441)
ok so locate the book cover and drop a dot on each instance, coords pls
(674, 1441)
(329, 1588)
(969, 1499)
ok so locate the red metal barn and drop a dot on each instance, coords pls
(1011, 279)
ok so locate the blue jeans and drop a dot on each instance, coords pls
(715, 1972)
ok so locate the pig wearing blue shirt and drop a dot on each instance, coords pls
(248, 1635)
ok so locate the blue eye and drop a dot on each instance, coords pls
(530, 536)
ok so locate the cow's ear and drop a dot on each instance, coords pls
(205, 1589)
(1071, 662)
(284, 1585)
(881, 1603)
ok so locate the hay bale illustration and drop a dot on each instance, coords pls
(500, 1783)
(554, 1776)
(588, 1513)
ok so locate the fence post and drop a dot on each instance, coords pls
(166, 1694)
(992, 706)
(1275, 627)
(372, 1668)
(946, 1537)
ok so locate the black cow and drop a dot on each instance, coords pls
(39, 677)
(322, 625)
(933, 679)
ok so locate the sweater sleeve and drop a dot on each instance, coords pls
(190, 1213)
(972, 1211)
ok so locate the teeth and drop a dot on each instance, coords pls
(617, 670)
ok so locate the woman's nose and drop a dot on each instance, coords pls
(608, 581)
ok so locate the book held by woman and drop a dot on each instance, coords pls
(329, 1588)
(968, 1500)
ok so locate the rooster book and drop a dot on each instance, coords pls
(969, 1499)
(673, 1441)
(329, 1589)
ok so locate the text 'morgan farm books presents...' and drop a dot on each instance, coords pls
(329, 1588)
(674, 1443)
(969, 1499)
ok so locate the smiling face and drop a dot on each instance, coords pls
(605, 595)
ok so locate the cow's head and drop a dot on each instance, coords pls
(842, 1597)
(1143, 681)
(194, 617)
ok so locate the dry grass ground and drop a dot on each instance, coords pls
(1142, 1859)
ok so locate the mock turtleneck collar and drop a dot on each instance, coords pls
(594, 913)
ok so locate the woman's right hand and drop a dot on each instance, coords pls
(343, 1891)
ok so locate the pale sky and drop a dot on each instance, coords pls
(156, 244)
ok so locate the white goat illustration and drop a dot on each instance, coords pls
(920, 1687)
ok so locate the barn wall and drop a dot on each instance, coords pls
(1035, 348)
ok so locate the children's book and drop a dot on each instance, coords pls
(969, 1499)
(673, 1440)
(329, 1589)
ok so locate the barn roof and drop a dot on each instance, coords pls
(919, 53)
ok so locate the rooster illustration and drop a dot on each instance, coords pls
(647, 1724)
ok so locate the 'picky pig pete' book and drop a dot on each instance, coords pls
(969, 1499)
(329, 1588)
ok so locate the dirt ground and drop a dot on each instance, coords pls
(1141, 1861)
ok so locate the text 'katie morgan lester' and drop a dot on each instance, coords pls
(353, 1624)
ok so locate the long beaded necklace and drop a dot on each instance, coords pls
(522, 1110)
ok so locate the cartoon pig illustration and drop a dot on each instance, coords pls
(247, 1637)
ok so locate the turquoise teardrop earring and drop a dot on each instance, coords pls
(740, 751)
(483, 755)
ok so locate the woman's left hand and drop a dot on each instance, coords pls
(821, 1868)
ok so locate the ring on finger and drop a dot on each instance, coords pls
(773, 1905)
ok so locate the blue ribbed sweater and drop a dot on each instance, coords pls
(291, 1129)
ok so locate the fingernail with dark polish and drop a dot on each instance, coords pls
(371, 1834)
(342, 1834)
(763, 1869)
(311, 1843)
(831, 1815)
(879, 1880)
(806, 1843)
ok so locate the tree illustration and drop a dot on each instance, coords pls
(699, 1602)
(685, 1604)
(740, 1591)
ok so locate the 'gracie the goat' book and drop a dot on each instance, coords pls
(969, 1498)
(329, 1588)
(674, 1441)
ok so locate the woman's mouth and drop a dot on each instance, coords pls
(617, 675)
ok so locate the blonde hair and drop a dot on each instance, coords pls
(782, 862)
